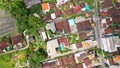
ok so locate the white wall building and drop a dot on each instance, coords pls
(111, 43)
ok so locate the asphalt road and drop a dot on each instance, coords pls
(98, 30)
(7, 24)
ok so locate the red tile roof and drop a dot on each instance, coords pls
(58, 13)
(77, 9)
(85, 25)
(64, 40)
(3, 44)
(107, 3)
(104, 14)
(63, 25)
(16, 39)
(87, 61)
(66, 60)
(111, 61)
(108, 31)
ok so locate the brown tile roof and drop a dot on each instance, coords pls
(52, 5)
(113, 11)
(64, 40)
(105, 14)
(47, 17)
(104, 25)
(58, 13)
(116, 19)
(63, 25)
(85, 25)
(76, 66)
(117, 4)
(69, 11)
(83, 35)
(50, 65)
(17, 39)
(79, 45)
(108, 31)
(82, 5)
(107, 3)
(87, 61)
(111, 61)
(66, 60)
(108, 21)
(3, 44)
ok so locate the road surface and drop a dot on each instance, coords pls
(98, 30)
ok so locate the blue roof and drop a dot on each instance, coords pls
(61, 47)
(87, 8)
(71, 22)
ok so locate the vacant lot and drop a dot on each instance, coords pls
(7, 24)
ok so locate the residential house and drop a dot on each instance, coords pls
(82, 35)
(67, 60)
(117, 59)
(79, 45)
(58, 13)
(43, 34)
(80, 56)
(110, 43)
(63, 41)
(72, 25)
(30, 3)
(87, 62)
(47, 17)
(68, 12)
(77, 9)
(3, 45)
(104, 14)
(17, 39)
(52, 5)
(51, 26)
(76, 66)
(52, 45)
(88, 43)
(116, 19)
(45, 7)
(108, 31)
(110, 61)
(50, 64)
(63, 26)
(83, 26)
(106, 4)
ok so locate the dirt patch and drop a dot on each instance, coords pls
(7, 24)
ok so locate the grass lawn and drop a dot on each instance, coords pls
(54, 1)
